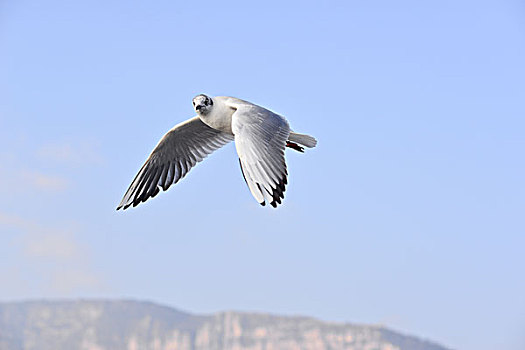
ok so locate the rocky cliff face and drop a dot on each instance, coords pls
(130, 325)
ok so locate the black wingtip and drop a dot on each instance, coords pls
(123, 207)
(242, 171)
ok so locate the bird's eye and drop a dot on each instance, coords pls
(193, 104)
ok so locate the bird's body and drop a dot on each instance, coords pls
(260, 135)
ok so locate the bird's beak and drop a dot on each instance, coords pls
(198, 107)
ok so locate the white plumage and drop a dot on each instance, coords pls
(260, 135)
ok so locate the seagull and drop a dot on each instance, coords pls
(260, 136)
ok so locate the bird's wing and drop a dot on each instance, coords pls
(260, 139)
(176, 153)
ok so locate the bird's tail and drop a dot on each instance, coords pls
(302, 139)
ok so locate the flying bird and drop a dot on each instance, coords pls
(260, 135)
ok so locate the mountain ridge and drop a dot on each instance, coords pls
(114, 324)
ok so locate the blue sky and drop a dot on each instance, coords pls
(409, 213)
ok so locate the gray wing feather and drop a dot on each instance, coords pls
(260, 140)
(177, 152)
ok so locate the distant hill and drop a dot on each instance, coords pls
(132, 325)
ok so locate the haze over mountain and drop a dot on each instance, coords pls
(132, 325)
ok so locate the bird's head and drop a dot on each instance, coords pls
(202, 104)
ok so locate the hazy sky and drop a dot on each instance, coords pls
(409, 213)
